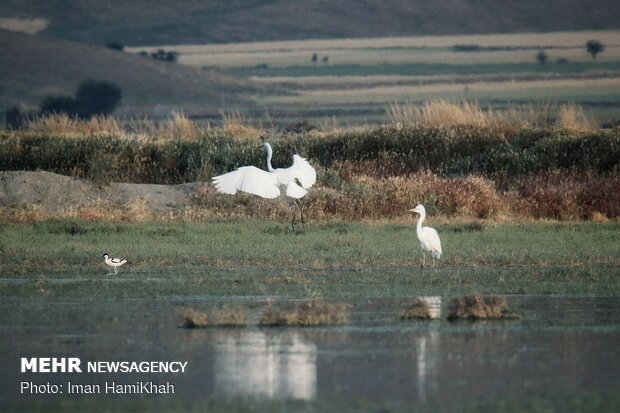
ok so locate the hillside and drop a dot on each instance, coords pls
(36, 67)
(142, 22)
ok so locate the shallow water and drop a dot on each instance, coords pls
(559, 346)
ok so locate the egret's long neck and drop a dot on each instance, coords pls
(269, 155)
(420, 220)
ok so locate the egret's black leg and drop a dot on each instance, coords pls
(301, 213)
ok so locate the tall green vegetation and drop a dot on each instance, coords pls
(447, 151)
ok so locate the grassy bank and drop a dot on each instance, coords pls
(333, 259)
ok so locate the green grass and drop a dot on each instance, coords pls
(333, 259)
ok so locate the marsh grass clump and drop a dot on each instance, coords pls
(573, 117)
(420, 310)
(478, 307)
(194, 319)
(308, 313)
(237, 128)
(229, 317)
(218, 317)
(179, 126)
(439, 113)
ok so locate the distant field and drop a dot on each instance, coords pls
(397, 50)
(362, 76)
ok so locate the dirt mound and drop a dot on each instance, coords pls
(56, 193)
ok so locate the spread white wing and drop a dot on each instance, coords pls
(303, 171)
(248, 179)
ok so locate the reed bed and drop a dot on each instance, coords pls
(454, 158)
(443, 113)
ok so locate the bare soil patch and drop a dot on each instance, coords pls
(58, 193)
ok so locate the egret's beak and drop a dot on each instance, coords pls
(414, 210)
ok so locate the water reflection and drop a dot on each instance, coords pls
(427, 361)
(434, 303)
(277, 365)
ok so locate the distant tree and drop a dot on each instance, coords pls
(315, 58)
(97, 98)
(59, 104)
(165, 56)
(594, 47)
(325, 60)
(542, 57)
(92, 98)
(116, 46)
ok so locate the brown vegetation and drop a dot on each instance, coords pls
(307, 313)
(443, 113)
(420, 310)
(217, 317)
(478, 307)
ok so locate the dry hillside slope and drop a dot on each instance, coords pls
(35, 67)
(143, 22)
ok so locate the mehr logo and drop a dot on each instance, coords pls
(51, 365)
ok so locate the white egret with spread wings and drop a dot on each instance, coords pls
(292, 182)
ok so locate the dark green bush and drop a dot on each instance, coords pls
(444, 151)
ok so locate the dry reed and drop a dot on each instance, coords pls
(573, 117)
(442, 113)
(235, 126)
(179, 126)
(65, 125)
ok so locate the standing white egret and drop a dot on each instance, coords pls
(292, 182)
(428, 237)
(113, 262)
